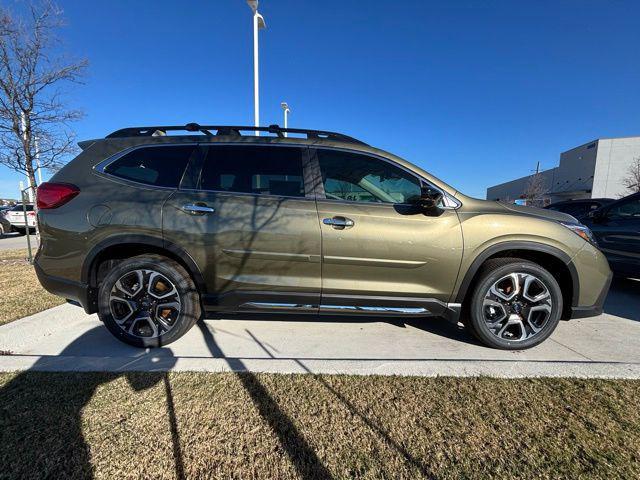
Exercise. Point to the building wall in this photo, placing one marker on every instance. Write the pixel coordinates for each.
(593, 170)
(574, 178)
(615, 155)
(515, 188)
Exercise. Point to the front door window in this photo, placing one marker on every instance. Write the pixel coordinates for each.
(361, 178)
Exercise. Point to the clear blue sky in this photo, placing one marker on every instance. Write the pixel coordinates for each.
(476, 92)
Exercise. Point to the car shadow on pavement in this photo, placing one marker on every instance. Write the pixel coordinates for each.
(624, 299)
(41, 415)
(435, 325)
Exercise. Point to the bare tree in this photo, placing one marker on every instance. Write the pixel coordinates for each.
(535, 189)
(632, 181)
(34, 116)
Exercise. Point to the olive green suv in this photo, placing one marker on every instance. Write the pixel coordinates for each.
(153, 230)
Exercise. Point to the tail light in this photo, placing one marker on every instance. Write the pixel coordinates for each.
(53, 195)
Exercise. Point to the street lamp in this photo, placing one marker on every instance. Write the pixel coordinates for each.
(287, 110)
(258, 23)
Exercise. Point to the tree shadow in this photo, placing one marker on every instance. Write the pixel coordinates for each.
(305, 460)
(41, 417)
(377, 429)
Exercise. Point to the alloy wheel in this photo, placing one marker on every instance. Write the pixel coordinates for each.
(517, 306)
(145, 303)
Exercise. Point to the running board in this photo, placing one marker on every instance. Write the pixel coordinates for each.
(340, 309)
(349, 309)
(296, 302)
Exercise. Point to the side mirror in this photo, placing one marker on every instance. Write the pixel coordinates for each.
(429, 200)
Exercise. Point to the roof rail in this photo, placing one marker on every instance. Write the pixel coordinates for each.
(229, 130)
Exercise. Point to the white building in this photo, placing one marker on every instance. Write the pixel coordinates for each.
(593, 170)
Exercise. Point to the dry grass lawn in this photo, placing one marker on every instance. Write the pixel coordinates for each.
(196, 425)
(20, 291)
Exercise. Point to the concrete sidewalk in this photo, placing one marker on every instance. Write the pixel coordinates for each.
(65, 338)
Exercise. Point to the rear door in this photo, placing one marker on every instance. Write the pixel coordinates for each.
(250, 223)
(378, 251)
(618, 235)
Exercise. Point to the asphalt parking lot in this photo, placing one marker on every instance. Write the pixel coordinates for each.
(65, 338)
(10, 241)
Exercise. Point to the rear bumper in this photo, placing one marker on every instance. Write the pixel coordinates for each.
(19, 222)
(21, 225)
(596, 308)
(75, 292)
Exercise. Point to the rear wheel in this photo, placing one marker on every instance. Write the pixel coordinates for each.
(148, 301)
(516, 304)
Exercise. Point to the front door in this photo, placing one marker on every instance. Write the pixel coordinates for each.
(251, 227)
(378, 252)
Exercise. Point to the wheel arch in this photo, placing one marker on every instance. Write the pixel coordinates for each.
(557, 262)
(126, 246)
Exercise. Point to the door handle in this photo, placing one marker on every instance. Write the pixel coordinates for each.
(339, 222)
(197, 209)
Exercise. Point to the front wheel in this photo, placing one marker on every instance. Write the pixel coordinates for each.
(516, 304)
(148, 301)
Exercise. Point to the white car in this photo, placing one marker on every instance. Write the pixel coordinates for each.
(15, 216)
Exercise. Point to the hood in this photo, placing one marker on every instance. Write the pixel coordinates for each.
(540, 212)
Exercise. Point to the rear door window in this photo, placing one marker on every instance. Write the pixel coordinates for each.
(256, 170)
(161, 166)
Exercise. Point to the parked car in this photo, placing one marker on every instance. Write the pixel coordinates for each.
(616, 227)
(150, 230)
(580, 209)
(15, 216)
(5, 226)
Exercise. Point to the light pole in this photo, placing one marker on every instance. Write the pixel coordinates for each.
(258, 24)
(287, 111)
(38, 168)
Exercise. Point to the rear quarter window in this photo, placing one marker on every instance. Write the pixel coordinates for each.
(158, 166)
(19, 208)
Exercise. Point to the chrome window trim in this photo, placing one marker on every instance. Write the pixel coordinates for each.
(245, 194)
(455, 206)
(100, 167)
(456, 203)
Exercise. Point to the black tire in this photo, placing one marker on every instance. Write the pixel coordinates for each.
(187, 294)
(492, 272)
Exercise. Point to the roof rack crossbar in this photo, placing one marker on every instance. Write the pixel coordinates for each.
(228, 130)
